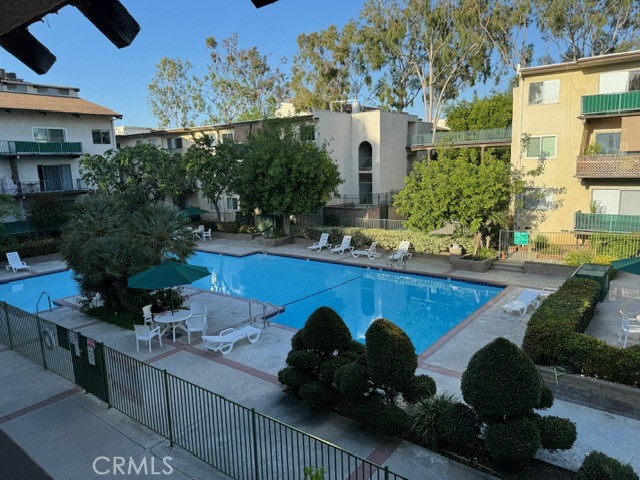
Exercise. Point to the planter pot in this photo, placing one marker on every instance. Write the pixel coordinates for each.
(466, 263)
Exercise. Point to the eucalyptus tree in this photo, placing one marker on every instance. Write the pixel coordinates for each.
(175, 95)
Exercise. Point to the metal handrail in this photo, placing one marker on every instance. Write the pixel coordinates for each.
(40, 298)
(265, 321)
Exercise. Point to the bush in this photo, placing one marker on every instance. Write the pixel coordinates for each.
(615, 244)
(419, 387)
(578, 258)
(557, 433)
(546, 397)
(328, 369)
(314, 394)
(228, 227)
(356, 347)
(32, 248)
(325, 331)
(352, 381)
(297, 343)
(393, 420)
(458, 425)
(426, 414)
(598, 466)
(293, 378)
(513, 443)
(501, 380)
(368, 409)
(305, 360)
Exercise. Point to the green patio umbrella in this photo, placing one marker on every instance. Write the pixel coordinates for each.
(630, 265)
(193, 211)
(166, 275)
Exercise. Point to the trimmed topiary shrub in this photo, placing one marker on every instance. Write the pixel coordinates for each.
(557, 433)
(458, 425)
(393, 420)
(419, 387)
(304, 359)
(328, 369)
(598, 466)
(326, 332)
(356, 347)
(501, 380)
(546, 397)
(314, 394)
(293, 378)
(352, 381)
(513, 443)
(426, 414)
(297, 343)
(368, 410)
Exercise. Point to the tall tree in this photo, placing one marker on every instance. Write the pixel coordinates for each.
(240, 83)
(175, 96)
(140, 174)
(283, 173)
(214, 166)
(329, 66)
(493, 111)
(584, 28)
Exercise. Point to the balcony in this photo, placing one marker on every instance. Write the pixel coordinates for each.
(604, 222)
(608, 166)
(611, 103)
(51, 186)
(17, 147)
(497, 136)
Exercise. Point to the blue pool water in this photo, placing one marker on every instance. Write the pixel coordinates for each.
(424, 307)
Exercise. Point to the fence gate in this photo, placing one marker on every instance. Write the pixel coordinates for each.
(89, 367)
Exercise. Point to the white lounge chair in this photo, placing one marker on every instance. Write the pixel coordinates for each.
(14, 263)
(521, 303)
(630, 324)
(320, 244)
(224, 342)
(369, 252)
(344, 246)
(146, 334)
(401, 255)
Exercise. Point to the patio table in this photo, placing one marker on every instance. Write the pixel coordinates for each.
(172, 321)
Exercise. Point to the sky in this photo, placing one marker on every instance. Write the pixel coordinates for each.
(118, 78)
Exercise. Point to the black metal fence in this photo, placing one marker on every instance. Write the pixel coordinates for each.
(236, 440)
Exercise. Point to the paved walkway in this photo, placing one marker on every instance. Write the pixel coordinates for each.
(248, 374)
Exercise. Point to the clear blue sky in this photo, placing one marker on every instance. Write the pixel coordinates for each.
(118, 79)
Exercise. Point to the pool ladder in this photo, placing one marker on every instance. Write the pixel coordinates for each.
(43, 294)
(265, 321)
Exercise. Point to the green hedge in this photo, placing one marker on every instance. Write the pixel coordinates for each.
(32, 248)
(555, 334)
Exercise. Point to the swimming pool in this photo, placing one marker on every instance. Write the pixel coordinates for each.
(424, 307)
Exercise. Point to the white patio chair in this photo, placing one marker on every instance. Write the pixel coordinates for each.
(401, 255)
(198, 309)
(206, 234)
(320, 244)
(198, 232)
(630, 324)
(14, 263)
(195, 325)
(522, 302)
(344, 246)
(369, 252)
(148, 316)
(224, 341)
(144, 333)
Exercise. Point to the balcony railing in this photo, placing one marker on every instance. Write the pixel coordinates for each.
(611, 103)
(604, 222)
(608, 166)
(18, 147)
(462, 137)
(51, 186)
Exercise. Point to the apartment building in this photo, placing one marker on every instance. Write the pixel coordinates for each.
(44, 129)
(582, 119)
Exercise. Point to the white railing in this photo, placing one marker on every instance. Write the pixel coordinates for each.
(382, 223)
(266, 321)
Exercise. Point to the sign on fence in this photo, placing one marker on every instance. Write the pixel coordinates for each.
(520, 238)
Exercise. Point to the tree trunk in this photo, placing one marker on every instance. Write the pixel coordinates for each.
(477, 243)
(217, 207)
(286, 224)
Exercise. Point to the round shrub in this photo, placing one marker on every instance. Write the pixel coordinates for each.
(314, 394)
(458, 425)
(293, 378)
(557, 433)
(304, 359)
(297, 343)
(352, 381)
(355, 346)
(393, 420)
(513, 443)
(598, 466)
(391, 357)
(328, 369)
(425, 415)
(325, 331)
(501, 380)
(349, 355)
(368, 410)
(419, 387)
(546, 397)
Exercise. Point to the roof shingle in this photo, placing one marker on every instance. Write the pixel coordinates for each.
(50, 103)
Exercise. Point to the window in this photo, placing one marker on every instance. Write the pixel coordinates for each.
(610, 142)
(227, 136)
(154, 141)
(13, 87)
(101, 137)
(542, 147)
(617, 202)
(43, 134)
(232, 203)
(174, 143)
(307, 133)
(55, 178)
(541, 93)
(538, 199)
(619, 82)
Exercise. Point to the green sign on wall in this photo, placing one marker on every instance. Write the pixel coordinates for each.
(521, 238)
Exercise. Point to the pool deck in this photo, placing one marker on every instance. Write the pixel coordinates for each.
(248, 374)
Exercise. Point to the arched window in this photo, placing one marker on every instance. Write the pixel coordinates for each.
(365, 177)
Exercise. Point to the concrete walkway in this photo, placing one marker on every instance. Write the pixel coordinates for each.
(248, 374)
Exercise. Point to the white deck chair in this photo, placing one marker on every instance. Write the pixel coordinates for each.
(224, 342)
(522, 302)
(146, 334)
(198, 311)
(630, 324)
(198, 232)
(195, 325)
(320, 244)
(369, 252)
(206, 234)
(401, 255)
(148, 316)
(344, 246)
(14, 263)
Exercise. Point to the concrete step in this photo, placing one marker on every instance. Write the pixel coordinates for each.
(508, 266)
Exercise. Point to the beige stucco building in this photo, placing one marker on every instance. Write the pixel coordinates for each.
(583, 123)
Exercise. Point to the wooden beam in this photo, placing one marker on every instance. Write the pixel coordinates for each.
(26, 48)
(111, 18)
